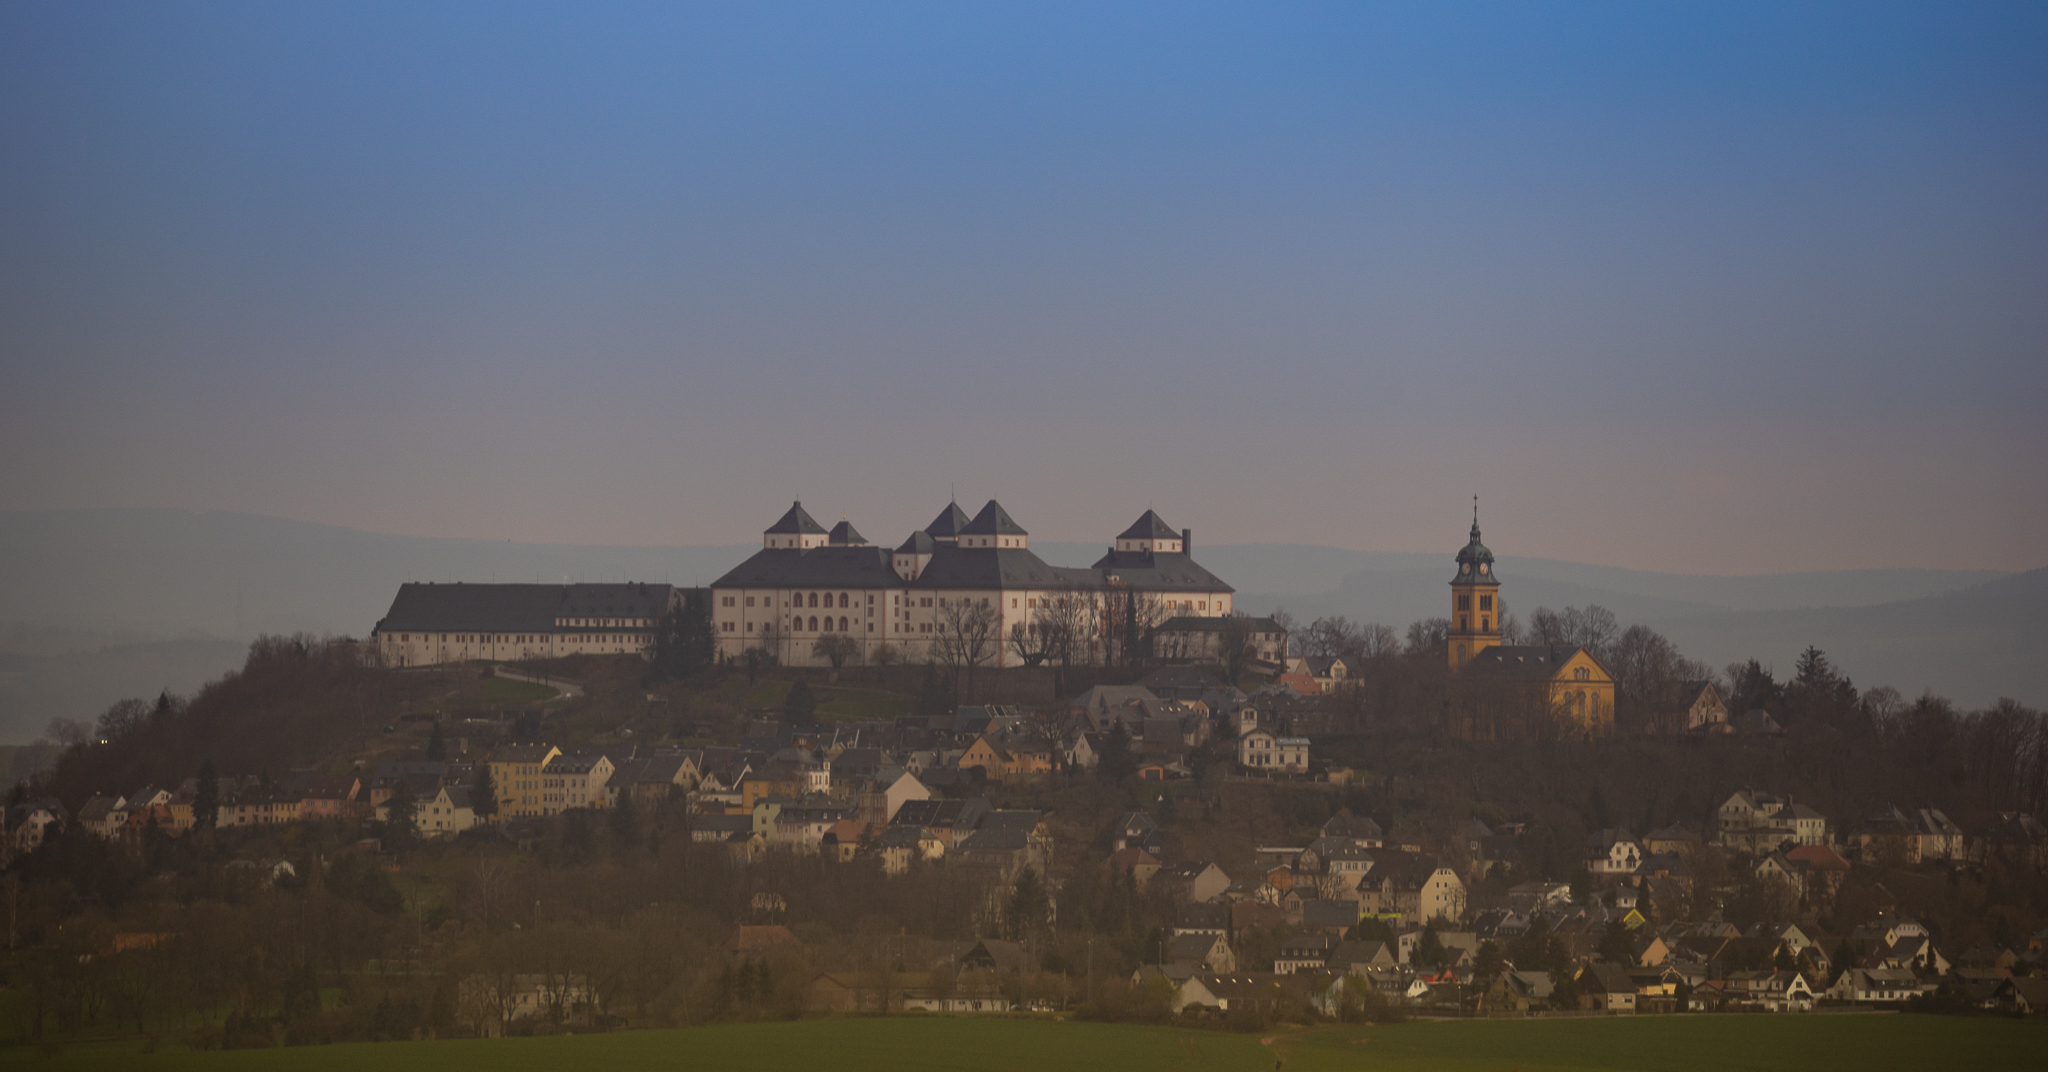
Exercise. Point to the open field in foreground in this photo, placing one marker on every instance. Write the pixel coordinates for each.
(941, 1044)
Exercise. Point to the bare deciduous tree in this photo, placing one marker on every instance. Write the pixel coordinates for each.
(968, 636)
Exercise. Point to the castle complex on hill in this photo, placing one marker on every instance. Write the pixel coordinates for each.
(807, 583)
(811, 594)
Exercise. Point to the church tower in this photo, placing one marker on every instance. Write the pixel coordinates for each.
(1475, 599)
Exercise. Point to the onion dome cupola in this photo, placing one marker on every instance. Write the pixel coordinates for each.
(796, 530)
(1475, 562)
(1475, 600)
(993, 528)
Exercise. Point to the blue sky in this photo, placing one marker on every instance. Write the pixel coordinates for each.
(1712, 288)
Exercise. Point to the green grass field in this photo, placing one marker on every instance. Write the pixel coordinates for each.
(946, 1044)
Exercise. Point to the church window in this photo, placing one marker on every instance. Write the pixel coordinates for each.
(1463, 623)
(1485, 602)
(1464, 602)
(1485, 624)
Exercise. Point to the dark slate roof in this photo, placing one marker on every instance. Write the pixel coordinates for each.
(513, 608)
(948, 524)
(844, 535)
(796, 521)
(1529, 661)
(918, 543)
(993, 521)
(819, 567)
(1472, 555)
(1149, 526)
(996, 567)
(1159, 570)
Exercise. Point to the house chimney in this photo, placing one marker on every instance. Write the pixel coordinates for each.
(1187, 541)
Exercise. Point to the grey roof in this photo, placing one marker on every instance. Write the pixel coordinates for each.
(516, 608)
(917, 543)
(1528, 661)
(1323, 913)
(844, 534)
(1472, 555)
(1149, 526)
(796, 521)
(993, 521)
(1159, 570)
(948, 524)
(819, 567)
(996, 567)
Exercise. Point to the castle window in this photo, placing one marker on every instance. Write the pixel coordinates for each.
(814, 599)
(842, 624)
(828, 623)
(842, 599)
(750, 627)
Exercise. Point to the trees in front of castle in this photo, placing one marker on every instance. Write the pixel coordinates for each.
(683, 641)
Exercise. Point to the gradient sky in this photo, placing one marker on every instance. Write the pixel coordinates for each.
(1725, 288)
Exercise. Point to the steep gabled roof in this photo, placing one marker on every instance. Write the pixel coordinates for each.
(1149, 526)
(797, 521)
(993, 521)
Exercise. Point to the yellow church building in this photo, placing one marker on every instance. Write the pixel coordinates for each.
(1502, 687)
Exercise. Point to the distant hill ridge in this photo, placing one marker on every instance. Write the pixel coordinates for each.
(118, 597)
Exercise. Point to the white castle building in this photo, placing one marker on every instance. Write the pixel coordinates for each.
(807, 583)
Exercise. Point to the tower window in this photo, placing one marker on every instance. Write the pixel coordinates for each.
(1485, 602)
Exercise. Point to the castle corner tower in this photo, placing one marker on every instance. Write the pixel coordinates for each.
(1475, 600)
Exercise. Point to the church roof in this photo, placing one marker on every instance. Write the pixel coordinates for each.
(1149, 526)
(844, 534)
(797, 521)
(1471, 558)
(1528, 662)
(948, 524)
(993, 521)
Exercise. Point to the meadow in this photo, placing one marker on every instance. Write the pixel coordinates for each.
(1868, 1043)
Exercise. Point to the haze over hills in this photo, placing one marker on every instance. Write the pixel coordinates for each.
(97, 605)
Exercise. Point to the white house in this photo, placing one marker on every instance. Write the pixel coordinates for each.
(1262, 751)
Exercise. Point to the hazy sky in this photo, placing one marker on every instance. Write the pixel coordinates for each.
(1721, 289)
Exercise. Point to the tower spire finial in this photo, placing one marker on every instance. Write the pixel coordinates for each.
(1475, 517)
